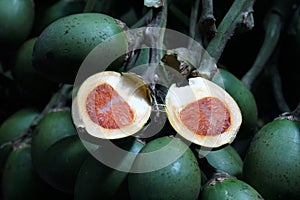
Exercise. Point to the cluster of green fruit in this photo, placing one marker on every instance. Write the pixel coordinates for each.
(57, 165)
(42, 155)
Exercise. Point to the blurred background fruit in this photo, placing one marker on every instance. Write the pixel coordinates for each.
(21, 181)
(30, 84)
(107, 183)
(12, 128)
(16, 21)
(57, 151)
(55, 11)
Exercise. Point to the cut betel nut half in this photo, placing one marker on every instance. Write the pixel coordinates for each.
(203, 113)
(112, 105)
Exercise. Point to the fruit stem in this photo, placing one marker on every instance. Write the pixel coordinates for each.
(293, 24)
(89, 6)
(294, 115)
(235, 15)
(21, 144)
(142, 21)
(193, 18)
(58, 100)
(273, 74)
(207, 20)
(272, 33)
(154, 33)
(219, 177)
(179, 14)
(273, 24)
(296, 112)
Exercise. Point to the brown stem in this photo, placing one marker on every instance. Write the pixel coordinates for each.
(207, 20)
(227, 27)
(154, 33)
(57, 101)
(225, 31)
(246, 22)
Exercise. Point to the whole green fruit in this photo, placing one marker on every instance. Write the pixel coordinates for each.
(96, 180)
(18, 122)
(26, 76)
(21, 181)
(13, 127)
(243, 97)
(16, 20)
(272, 161)
(53, 127)
(181, 179)
(62, 47)
(247, 104)
(57, 151)
(228, 188)
(225, 159)
(62, 162)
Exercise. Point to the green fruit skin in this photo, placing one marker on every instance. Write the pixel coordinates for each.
(20, 180)
(243, 97)
(26, 76)
(16, 20)
(226, 159)
(179, 180)
(52, 129)
(99, 181)
(272, 161)
(62, 162)
(63, 45)
(18, 122)
(229, 189)
(13, 127)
